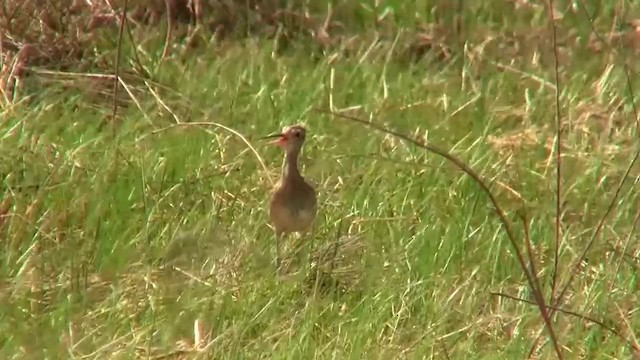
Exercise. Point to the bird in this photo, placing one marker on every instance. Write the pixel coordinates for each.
(293, 203)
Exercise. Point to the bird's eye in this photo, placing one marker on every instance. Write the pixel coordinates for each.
(296, 134)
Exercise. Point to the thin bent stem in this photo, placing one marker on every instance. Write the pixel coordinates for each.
(499, 211)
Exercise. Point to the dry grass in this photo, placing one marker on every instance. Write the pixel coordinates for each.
(67, 41)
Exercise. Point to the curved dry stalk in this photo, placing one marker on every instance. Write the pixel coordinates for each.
(217, 125)
(167, 38)
(499, 211)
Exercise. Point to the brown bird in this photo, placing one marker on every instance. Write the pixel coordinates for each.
(293, 201)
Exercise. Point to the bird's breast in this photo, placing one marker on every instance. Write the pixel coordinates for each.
(292, 213)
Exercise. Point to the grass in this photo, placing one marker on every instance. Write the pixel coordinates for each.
(118, 238)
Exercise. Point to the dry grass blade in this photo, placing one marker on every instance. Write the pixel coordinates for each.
(167, 39)
(200, 336)
(97, 88)
(333, 265)
(631, 337)
(217, 125)
(499, 211)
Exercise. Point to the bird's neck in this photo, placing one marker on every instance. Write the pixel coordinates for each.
(290, 165)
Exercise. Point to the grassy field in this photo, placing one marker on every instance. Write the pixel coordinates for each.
(118, 236)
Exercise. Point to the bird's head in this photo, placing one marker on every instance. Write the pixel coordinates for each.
(290, 139)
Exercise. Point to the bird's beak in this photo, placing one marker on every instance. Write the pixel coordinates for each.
(280, 141)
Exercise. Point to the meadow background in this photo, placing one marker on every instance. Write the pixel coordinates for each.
(133, 208)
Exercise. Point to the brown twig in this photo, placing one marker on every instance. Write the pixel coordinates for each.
(558, 233)
(136, 57)
(614, 200)
(575, 268)
(524, 217)
(116, 80)
(530, 252)
(623, 251)
(568, 312)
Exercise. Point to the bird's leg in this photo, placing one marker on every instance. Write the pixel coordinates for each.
(279, 235)
(300, 247)
(314, 256)
(311, 247)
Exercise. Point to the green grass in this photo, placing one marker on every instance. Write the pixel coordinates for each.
(116, 242)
